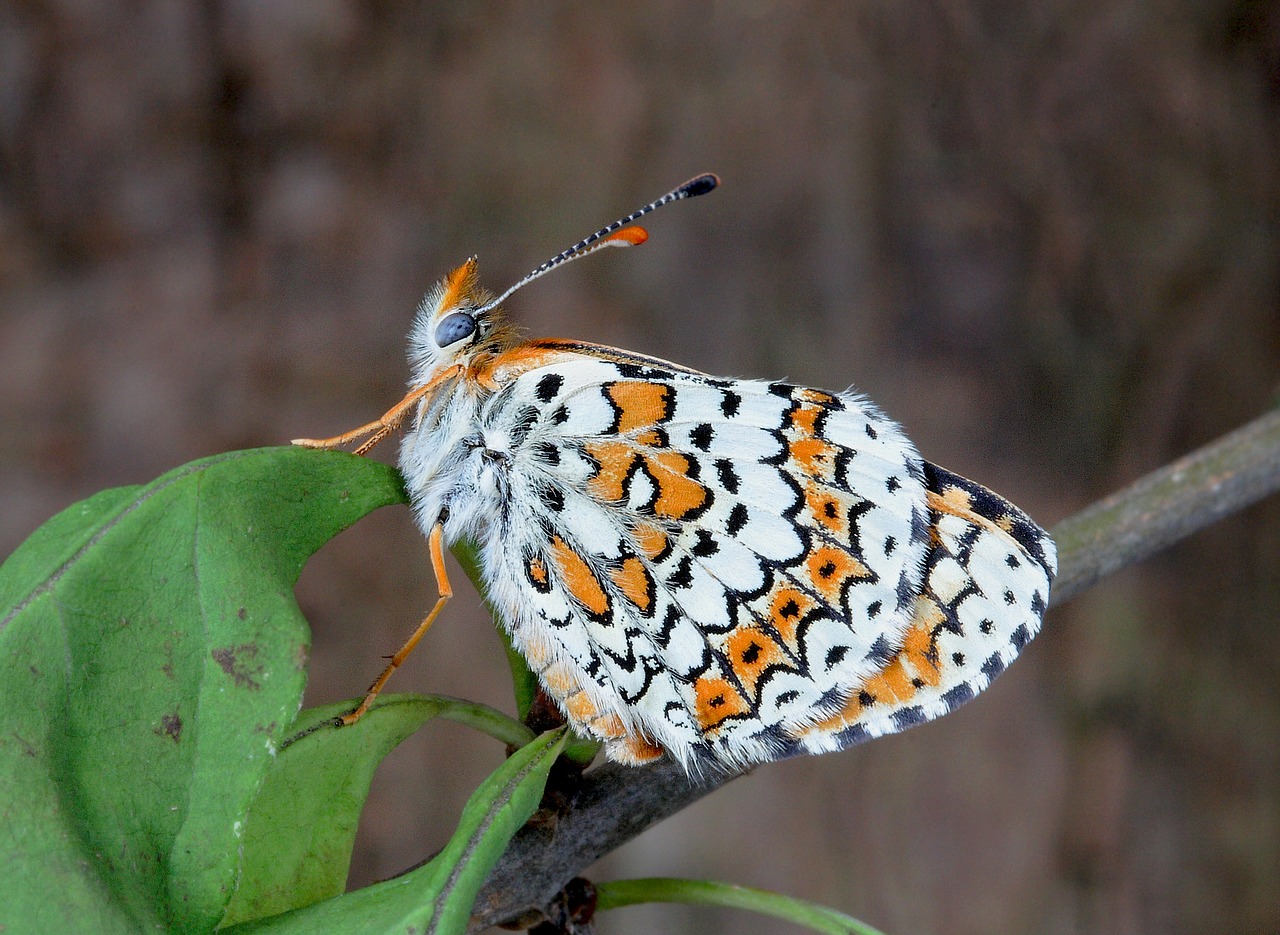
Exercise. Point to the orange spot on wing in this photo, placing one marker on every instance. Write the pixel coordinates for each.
(678, 494)
(892, 685)
(896, 684)
(751, 651)
(828, 510)
(640, 404)
(848, 713)
(717, 699)
(616, 460)
(497, 370)
(829, 568)
(955, 501)
(608, 727)
(805, 418)
(918, 648)
(821, 397)
(650, 540)
(816, 457)
(559, 681)
(537, 652)
(787, 607)
(633, 580)
(578, 577)
(537, 571)
(634, 750)
(580, 708)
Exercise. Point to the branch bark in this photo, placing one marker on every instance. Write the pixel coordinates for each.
(616, 803)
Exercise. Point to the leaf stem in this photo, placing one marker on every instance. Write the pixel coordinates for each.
(618, 893)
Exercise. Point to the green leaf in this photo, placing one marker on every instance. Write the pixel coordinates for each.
(298, 839)
(300, 832)
(151, 658)
(618, 893)
(437, 897)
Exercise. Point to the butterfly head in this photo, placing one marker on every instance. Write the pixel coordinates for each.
(455, 322)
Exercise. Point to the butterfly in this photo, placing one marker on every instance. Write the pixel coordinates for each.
(723, 571)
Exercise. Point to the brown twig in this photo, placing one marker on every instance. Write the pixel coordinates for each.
(617, 803)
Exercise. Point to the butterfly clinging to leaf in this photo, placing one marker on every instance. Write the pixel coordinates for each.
(726, 571)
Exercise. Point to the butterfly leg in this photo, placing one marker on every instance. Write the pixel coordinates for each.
(382, 427)
(445, 591)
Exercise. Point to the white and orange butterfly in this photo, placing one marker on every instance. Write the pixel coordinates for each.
(726, 571)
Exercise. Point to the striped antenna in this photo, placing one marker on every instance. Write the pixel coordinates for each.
(617, 234)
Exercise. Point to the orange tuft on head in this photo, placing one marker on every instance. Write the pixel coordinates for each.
(459, 285)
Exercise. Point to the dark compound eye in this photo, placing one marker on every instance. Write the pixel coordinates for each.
(453, 328)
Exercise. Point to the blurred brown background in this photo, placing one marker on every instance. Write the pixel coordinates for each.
(1043, 235)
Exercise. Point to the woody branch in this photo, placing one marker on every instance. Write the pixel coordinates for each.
(616, 803)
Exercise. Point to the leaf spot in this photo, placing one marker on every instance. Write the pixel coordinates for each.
(171, 727)
(232, 660)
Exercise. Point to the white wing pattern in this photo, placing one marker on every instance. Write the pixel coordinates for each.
(736, 571)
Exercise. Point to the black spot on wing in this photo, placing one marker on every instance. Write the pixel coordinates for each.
(908, 717)
(548, 387)
(958, 696)
(552, 497)
(728, 476)
(853, 735)
(881, 652)
(547, 453)
(682, 576)
(706, 544)
(641, 371)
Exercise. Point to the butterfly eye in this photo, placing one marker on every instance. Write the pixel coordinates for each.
(454, 328)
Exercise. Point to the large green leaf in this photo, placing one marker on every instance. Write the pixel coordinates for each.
(152, 657)
(437, 897)
(298, 840)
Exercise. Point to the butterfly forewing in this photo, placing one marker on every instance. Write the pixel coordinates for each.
(698, 556)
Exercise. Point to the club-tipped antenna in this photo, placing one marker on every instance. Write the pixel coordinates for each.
(617, 234)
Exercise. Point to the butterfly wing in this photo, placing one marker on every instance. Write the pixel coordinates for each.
(986, 588)
(710, 567)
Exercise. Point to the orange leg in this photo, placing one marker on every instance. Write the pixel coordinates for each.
(384, 426)
(445, 591)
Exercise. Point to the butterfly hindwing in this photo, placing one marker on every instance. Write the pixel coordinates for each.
(985, 592)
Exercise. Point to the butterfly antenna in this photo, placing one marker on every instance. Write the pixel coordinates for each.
(617, 234)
